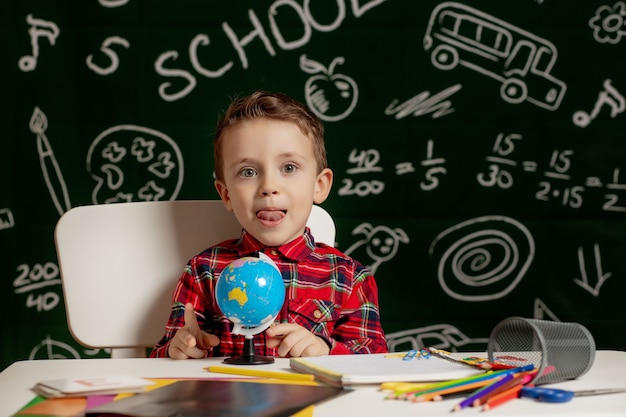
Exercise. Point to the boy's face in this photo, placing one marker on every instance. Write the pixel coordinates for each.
(270, 178)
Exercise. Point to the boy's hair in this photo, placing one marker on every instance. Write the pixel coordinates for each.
(277, 106)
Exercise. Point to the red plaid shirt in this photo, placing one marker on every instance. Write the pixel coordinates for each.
(327, 292)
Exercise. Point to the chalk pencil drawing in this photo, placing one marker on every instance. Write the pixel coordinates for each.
(39, 28)
(522, 62)
(49, 166)
(483, 258)
(134, 163)
(332, 96)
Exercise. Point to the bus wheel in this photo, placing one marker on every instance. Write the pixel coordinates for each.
(445, 57)
(514, 91)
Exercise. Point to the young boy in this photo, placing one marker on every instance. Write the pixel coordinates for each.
(270, 168)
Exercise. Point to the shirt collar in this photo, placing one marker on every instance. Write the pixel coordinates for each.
(296, 250)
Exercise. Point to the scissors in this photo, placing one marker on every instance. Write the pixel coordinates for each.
(553, 395)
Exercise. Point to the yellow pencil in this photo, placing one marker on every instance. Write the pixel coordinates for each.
(402, 386)
(260, 373)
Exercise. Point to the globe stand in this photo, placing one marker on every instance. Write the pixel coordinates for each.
(249, 357)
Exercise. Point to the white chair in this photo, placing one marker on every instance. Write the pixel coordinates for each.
(119, 264)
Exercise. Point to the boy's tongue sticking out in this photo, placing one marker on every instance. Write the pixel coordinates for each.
(270, 215)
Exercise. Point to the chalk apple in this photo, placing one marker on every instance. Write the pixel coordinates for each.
(330, 96)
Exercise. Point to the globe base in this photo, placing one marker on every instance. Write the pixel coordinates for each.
(248, 356)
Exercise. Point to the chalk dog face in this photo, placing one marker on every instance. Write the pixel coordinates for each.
(380, 242)
(383, 243)
(134, 163)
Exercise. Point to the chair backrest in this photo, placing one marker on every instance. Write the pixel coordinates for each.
(119, 264)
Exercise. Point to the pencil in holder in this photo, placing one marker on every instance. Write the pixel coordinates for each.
(559, 351)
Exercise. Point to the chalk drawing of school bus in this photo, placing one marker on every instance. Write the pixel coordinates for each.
(459, 34)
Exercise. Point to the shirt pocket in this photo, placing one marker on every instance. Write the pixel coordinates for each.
(316, 315)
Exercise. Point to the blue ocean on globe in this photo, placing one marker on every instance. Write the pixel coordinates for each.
(250, 291)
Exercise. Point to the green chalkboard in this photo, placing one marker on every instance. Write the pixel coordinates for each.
(478, 146)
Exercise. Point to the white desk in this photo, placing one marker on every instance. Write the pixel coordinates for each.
(608, 371)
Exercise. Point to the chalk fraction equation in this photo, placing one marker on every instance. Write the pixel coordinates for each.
(498, 169)
(555, 183)
(37, 283)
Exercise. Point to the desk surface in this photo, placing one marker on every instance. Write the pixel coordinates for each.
(608, 371)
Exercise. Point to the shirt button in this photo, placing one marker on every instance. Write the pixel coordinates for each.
(274, 252)
(317, 314)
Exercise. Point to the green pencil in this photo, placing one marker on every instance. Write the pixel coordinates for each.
(462, 381)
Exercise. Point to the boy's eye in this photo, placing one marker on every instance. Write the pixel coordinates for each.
(289, 168)
(247, 172)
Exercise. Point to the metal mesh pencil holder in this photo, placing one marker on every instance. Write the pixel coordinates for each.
(559, 351)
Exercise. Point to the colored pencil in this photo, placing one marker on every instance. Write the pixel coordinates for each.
(453, 395)
(402, 386)
(466, 388)
(484, 391)
(260, 373)
(462, 381)
(503, 397)
(519, 379)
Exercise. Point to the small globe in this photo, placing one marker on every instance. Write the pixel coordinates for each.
(250, 292)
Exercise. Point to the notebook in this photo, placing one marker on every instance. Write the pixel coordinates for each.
(345, 370)
(98, 385)
(198, 398)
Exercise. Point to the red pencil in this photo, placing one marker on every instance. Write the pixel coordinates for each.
(502, 397)
(522, 379)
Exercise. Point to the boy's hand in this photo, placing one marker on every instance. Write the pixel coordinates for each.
(190, 341)
(295, 341)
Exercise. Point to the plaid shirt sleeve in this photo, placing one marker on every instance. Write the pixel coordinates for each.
(340, 306)
(359, 329)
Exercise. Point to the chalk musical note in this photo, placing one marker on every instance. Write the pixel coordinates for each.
(610, 96)
(49, 165)
(39, 28)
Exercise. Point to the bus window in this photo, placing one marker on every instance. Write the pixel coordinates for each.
(468, 29)
(520, 59)
(447, 20)
(494, 39)
(544, 61)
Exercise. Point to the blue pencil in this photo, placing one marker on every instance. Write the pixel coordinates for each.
(479, 395)
(432, 388)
